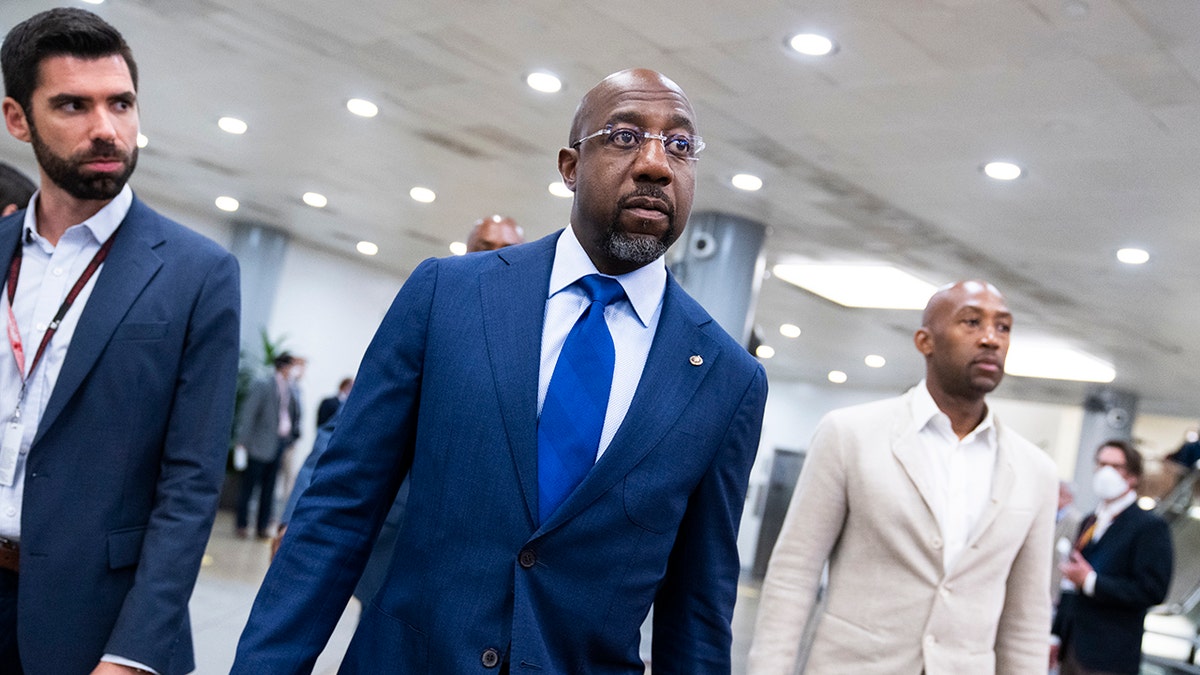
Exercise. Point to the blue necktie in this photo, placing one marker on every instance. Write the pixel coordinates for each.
(573, 412)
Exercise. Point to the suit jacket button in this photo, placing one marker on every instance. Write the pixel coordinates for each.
(527, 558)
(490, 658)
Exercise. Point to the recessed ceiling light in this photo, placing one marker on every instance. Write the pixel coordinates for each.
(94, 2)
(875, 361)
(764, 351)
(315, 200)
(560, 189)
(812, 44)
(747, 182)
(227, 204)
(543, 82)
(874, 286)
(1147, 503)
(367, 247)
(1133, 256)
(422, 194)
(362, 107)
(1044, 358)
(1002, 170)
(837, 377)
(232, 125)
(789, 330)
(142, 140)
(458, 248)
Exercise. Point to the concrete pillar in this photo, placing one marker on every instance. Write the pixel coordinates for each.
(1107, 415)
(719, 262)
(259, 249)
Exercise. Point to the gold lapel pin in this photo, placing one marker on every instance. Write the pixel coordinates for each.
(696, 360)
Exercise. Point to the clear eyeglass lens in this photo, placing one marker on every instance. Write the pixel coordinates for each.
(678, 145)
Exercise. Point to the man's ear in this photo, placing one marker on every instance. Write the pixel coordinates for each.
(923, 339)
(14, 119)
(568, 160)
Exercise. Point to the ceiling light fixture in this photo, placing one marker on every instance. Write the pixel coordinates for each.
(1051, 360)
(227, 204)
(142, 140)
(560, 189)
(543, 82)
(315, 200)
(812, 44)
(362, 107)
(94, 2)
(458, 248)
(232, 125)
(1133, 256)
(747, 182)
(764, 351)
(366, 247)
(422, 194)
(875, 361)
(837, 377)
(1002, 170)
(789, 330)
(870, 286)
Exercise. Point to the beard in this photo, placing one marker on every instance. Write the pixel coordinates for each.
(639, 250)
(67, 172)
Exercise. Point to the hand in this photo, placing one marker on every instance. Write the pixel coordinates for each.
(106, 668)
(1053, 656)
(1076, 569)
(278, 539)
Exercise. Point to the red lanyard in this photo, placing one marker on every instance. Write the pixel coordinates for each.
(14, 335)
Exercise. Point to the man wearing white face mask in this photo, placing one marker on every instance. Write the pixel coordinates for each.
(1121, 566)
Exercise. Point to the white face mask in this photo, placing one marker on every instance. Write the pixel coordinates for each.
(1108, 483)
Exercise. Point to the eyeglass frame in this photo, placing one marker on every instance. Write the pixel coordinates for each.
(644, 135)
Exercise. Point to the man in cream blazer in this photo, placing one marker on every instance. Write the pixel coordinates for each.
(936, 521)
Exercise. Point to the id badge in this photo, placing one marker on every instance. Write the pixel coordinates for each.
(10, 450)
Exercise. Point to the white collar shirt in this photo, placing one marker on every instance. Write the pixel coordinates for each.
(48, 271)
(1107, 511)
(632, 322)
(960, 471)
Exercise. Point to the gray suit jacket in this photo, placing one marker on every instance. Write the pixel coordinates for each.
(258, 425)
(862, 504)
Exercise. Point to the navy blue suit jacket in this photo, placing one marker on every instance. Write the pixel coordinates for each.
(447, 395)
(122, 479)
(1133, 563)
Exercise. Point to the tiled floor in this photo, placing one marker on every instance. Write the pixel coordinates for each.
(234, 568)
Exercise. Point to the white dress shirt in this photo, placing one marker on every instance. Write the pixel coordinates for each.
(632, 323)
(961, 471)
(47, 274)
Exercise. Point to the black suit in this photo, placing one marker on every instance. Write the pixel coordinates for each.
(327, 410)
(1133, 562)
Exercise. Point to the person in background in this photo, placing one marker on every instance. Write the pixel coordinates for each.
(269, 425)
(1120, 566)
(118, 377)
(494, 233)
(559, 486)
(934, 517)
(15, 190)
(329, 406)
(1066, 527)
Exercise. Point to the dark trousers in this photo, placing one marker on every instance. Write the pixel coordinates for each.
(261, 475)
(1071, 666)
(10, 659)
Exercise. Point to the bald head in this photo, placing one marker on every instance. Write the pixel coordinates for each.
(494, 232)
(626, 82)
(964, 336)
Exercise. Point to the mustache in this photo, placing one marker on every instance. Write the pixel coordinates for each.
(651, 192)
(103, 149)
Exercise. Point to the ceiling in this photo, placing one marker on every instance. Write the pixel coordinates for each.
(871, 154)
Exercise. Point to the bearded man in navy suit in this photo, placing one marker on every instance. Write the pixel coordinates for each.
(489, 573)
(116, 379)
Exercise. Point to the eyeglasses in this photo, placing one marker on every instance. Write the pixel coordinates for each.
(678, 146)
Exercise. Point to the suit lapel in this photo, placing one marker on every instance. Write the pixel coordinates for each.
(131, 264)
(513, 299)
(1002, 485)
(911, 455)
(658, 401)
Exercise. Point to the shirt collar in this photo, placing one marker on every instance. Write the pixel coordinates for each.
(925, 411)
(102, 224)
(644, 286)
(1110, 510)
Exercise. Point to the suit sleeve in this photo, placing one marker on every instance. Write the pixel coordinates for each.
(694, 605)
(1150, 576)
(1022, 636)
(814, 521)
(256, 398)
(354, 485)
(192, 469)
